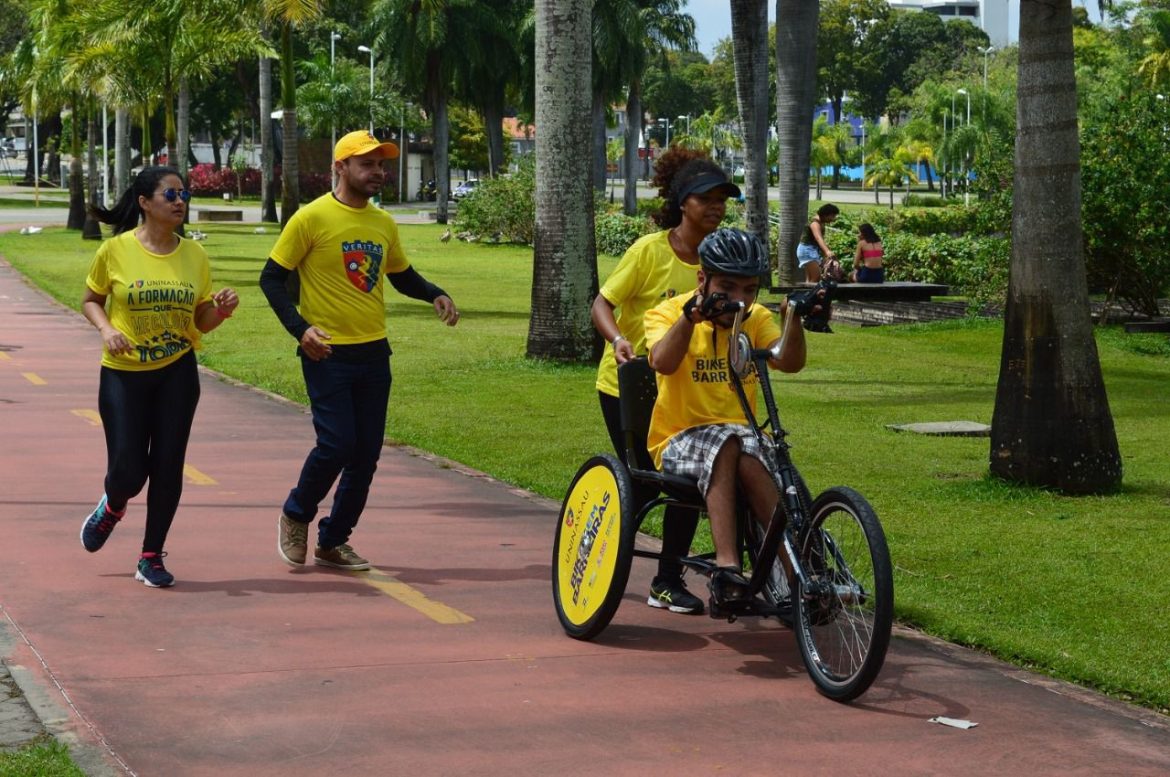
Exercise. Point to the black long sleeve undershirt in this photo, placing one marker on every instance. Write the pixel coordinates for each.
(274, 278)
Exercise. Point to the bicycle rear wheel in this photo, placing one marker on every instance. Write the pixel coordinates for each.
(845, 614)
(593, 547)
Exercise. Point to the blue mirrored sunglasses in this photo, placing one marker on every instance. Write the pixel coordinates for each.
(170, 195)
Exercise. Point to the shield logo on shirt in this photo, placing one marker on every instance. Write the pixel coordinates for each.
(362, 264)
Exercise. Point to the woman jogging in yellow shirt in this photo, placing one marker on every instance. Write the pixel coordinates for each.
(149, 295)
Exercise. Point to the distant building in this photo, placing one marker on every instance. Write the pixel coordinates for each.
(991, 16)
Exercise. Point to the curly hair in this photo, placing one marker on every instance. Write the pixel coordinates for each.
(689, 166)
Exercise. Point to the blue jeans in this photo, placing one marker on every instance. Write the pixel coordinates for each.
(348, 402)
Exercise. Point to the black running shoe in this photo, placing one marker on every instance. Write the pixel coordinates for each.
(152, 572)
(673, 595)
(98, 526)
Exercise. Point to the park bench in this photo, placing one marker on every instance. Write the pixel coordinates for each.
(219, 214)
(891, 291)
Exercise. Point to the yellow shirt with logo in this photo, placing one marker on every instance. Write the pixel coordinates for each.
(649, 272)
(151, 299)
(700, 391)
(342, 255)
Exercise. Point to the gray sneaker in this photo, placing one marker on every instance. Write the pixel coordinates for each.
(341, 557)
(292, 540)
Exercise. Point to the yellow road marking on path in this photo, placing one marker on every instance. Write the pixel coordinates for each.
(198, 478)
(89, 415)
(34, 379)
(4, 357)
(412, 597)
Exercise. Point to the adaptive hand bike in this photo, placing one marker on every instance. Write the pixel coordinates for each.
(839, 599)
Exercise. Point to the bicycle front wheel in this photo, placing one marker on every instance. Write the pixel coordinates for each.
(846, 612)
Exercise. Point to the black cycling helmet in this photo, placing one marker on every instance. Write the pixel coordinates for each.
(733, 252)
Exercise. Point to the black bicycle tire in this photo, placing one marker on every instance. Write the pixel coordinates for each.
(844, 687)
(597, 622)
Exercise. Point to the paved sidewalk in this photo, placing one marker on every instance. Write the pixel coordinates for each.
(447, 658)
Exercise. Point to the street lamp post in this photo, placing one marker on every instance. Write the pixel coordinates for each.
(688, 118)
(985, 52)
(370, 51)
(863, 153)
(666, 123)
(944, 174)
(333, 38)
(966, 182)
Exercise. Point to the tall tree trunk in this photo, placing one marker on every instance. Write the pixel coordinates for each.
(796, 77)
(183, 129)
(290, 172)
(267, 153)
(1052, 426)
(91, 229)
(633, 132)
(564, 273)
(76, 218)
(749, 31)
(121, 153)
(493, 122)
(441, 129)
(598, 142)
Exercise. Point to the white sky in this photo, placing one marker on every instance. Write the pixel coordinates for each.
(713, 19)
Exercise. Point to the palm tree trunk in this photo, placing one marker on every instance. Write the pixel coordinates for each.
(91, 229)
(182, 148)
(441, 130)
(564, 276)
(598, 135)
(493, 121)
(1052, 426)
(76, 218)
(633, 132)
(290, 171)
(267, 153)
(749, 31)
(121, 152)
(796, 71)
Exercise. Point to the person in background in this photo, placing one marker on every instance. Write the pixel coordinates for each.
(656, 267)
(149, 295)
(813, 249)
(867, 261)
(343, 247)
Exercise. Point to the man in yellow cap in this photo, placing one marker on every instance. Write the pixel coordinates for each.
(343, 247)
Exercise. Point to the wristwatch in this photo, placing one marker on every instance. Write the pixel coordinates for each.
(614, 341)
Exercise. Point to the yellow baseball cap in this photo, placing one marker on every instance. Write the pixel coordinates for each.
(362, 142)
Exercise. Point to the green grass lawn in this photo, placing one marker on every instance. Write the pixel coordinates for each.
(47, 758)
(1075, 587)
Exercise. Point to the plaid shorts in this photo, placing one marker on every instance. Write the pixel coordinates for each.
(691, 453)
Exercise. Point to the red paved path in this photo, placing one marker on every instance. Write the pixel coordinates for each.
(247, 667)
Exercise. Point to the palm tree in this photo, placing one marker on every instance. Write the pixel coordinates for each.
(267, 157)
(657, 26)
(1051, 426)
(288, 15)
(1155, 66)
(796, 76)
(612, 63)
(430, 41)
(749, 30)
(564, 276)
(823, 152)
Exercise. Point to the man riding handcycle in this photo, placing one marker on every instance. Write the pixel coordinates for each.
(709, 351)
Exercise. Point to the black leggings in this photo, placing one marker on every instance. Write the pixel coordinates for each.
(678, 523)
(147, 419)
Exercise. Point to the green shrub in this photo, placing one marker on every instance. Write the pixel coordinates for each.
(503, 208)
(925, 201)
(617, 231)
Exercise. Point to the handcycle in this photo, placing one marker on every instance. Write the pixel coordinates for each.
(839, 599)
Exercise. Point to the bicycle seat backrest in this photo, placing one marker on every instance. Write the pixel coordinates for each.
(637, 390)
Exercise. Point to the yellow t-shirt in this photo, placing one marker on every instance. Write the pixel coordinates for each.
(342, 255)
(150, 298)
(649, 272)
(700, 391)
